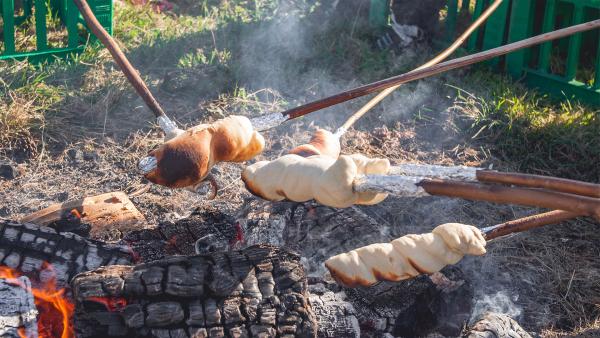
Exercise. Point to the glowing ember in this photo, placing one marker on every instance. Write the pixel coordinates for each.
(55, 310)
(112, 304)
(239, 235)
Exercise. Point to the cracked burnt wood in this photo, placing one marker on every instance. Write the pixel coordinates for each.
(260, 291)
(17, 308)
(25, 247)
(496, 325)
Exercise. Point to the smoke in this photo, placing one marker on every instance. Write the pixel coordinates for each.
(500, 302)
(306, 53)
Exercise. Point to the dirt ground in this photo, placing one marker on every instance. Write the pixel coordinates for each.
(548, 279)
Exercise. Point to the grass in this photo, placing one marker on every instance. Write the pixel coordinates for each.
(528, 129)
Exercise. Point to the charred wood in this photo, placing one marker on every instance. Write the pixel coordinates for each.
(218, 231)
(25, 247)
(17, 308)
(260, 291)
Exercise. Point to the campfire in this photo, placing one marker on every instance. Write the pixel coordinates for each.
(294, 261)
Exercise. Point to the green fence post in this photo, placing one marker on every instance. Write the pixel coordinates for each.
(472, 45)
(597, 75)
(8, 16)
(465, 5)
(574, 44)
(41, 39)
(451, 19)
(547, 26)
(494, 36)
(519, 29)
(72, 15)
(378, 13)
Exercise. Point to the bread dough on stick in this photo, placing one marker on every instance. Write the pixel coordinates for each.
(186, 159)
(408, 256)
(323, 142)
(327, 180)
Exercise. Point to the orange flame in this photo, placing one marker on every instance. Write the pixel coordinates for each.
(55, 310)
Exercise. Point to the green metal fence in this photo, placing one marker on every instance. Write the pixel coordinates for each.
(37, 11)
(570, 66)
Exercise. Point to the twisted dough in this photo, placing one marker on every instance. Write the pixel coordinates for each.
(407, 256)
(323, 142)
(327, 180)
(186, 159)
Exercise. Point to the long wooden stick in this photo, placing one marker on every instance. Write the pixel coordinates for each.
(132, 75)
(439, 58)
(580, 205)
(419, 186)
(472, 174)
(527, 223)
(538, 181)
(436, 69)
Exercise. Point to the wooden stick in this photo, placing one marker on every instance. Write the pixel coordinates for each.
(473, 174)
(419, 186)
(132, 75)
(439, 58)
(580, 205)
(436, 69)
(538, 181)
(527, 223)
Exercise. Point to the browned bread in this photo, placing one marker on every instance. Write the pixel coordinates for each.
(185, 160)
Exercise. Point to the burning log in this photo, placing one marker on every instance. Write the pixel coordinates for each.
(104, 213)
(259, 291)
(17, 309)
(495, 325)
(28, 248)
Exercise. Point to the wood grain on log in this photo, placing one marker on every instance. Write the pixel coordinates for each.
(260, 291)
(25, 247)
(105, 213)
